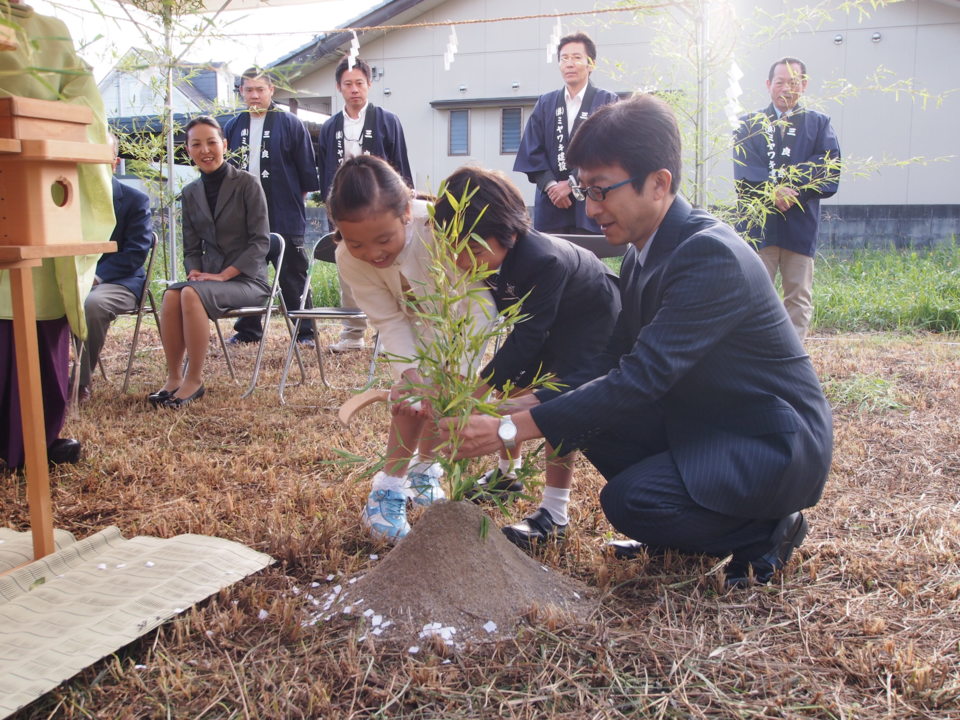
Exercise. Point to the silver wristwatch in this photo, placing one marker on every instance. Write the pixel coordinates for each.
(507, 432)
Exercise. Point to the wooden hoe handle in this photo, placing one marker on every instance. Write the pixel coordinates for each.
(360, 401)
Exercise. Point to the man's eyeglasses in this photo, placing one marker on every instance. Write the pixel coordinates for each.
(595, 192)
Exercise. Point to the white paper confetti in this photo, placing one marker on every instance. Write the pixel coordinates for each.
(490, 626)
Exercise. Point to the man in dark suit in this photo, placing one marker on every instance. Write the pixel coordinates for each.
(703, 413)
(118, 282)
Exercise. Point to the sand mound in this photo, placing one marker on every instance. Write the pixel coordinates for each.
(445, 579)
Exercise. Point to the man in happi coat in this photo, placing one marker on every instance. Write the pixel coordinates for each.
(361, 128)
(555, 119)
(786, 156)
(276, 148)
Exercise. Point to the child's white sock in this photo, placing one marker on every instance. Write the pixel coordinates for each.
(555, 501)
(382, 481)
(425, 467)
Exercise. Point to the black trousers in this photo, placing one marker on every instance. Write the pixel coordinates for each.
(645, 497)
(293, 275)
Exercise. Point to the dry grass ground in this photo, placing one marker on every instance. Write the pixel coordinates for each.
(865, 623)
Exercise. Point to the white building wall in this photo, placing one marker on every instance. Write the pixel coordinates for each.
(918, 41)
(140, 92)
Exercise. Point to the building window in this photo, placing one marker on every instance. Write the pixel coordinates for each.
(511, 126)
(459, 132)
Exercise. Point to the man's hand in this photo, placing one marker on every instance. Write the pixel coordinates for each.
(559, 194)
(478, 436)
(785, 198)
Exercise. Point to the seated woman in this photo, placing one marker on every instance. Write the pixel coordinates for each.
(225, 243)
(384, 255)
(570, 303)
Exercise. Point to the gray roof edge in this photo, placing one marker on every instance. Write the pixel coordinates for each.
(324, 45)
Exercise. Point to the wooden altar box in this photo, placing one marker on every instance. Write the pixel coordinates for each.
(41, 143)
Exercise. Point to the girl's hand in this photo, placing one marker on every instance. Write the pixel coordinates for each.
(193, 275)
(216, 277)
(401, 401)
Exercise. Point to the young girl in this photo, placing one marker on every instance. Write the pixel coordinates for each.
(384, 255)
(570, 303)
(225, 243)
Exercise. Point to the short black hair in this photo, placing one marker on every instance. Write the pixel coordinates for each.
(203, 120)
(252, 73)
(787, 61)
(504, 212)
(640, 135)
(579, 37)
(367, 184)
(358, 64)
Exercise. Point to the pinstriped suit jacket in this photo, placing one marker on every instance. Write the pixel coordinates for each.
(703, 337)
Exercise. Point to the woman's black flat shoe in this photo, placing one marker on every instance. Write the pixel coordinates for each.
(160, 396)
(175, 403)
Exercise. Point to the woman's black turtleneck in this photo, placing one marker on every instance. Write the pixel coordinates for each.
(211, 185)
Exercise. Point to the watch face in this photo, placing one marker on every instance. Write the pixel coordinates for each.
(507, 430)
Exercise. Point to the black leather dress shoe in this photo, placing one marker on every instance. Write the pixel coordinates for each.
(160, 396)
(63, 450)
(785, 538)
(535, 529)
(625, 549)
(494, 485)
(175, 403)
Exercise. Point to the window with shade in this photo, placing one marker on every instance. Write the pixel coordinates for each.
(459, 133)
(511, 126)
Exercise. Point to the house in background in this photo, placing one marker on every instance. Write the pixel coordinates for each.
(134, 92)
(474, 112)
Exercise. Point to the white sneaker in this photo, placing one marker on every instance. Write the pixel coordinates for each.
(424, 488)
(385, 515)
(347, 345)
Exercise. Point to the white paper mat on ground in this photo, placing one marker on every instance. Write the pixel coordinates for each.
(16, 548)
(62, 613)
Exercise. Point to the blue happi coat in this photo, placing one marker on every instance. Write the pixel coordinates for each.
(540, 159)
(760, 154)
(288, 167)
(385, 140)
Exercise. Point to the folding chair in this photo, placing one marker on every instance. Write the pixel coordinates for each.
(148, 304)
(264, 311)
(322, 252)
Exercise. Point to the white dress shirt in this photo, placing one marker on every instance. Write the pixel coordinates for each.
(352, 130)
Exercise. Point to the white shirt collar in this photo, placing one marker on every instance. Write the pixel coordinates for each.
(578, 97)
(360, 116)
(642, 256)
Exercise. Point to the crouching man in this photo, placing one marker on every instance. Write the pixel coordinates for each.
(704, 414)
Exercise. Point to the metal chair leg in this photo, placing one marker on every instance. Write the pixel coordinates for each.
(226, 352)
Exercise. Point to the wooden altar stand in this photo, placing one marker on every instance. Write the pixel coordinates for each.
(41, 143)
